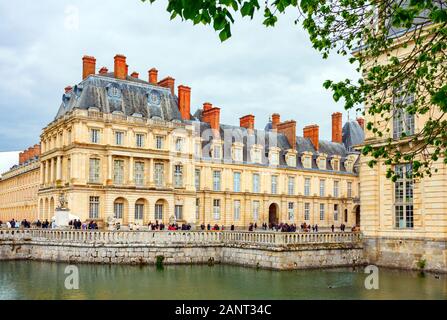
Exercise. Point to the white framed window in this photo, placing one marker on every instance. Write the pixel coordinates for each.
(256, 183)
(119, 138)
(237, 209)
(322, 188)
(159, 142)
(307, 187)
(139, 140)
(336, 189)
(349, 189)
(94, 170)
(307, 162)
(158, 212)
(197, 179)
(255, 210)
(322, 211)
(291, 211)
(291, 160)
(217, 180)
(178, 212)
(403, 121)
(274, 158)
(274, 184)
(216, 209)
(94, 135)
(159, 169)
(139, 210)
(257, 157)
(118, 172)
(237, 156)
(118, 210)
(403, 197)
(94, 208)
(237, 182)
(322, 163)
(307, 211)
(178, 176)
(139, 173)
(336, 165)
(217, 152)
(179, 144)
(291, 186)
(335, 212)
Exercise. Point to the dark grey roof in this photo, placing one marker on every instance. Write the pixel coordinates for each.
(353, 134)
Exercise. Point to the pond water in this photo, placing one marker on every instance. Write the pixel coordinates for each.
(42, 280)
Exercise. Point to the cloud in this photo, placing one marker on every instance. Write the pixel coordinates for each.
(259, 70)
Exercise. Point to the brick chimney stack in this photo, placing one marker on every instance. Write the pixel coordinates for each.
(29, 153)
(103, 70)
(211, 115)
(153, 76)
(248, 122)
(88, 66)
(135, 75)
(337, 127)
(168, 82)
(184, 102)
(276, 119)
(312, 132)
(288, 128)
(361, 122)
(120, 67)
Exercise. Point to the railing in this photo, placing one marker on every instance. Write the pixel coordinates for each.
(266, 239)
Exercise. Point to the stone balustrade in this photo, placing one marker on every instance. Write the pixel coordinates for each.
(267, 239)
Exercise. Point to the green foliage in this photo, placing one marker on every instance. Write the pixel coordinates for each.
(422, 263)
(370, 30)
(159, 261)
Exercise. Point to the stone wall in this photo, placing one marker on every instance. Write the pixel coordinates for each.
(406, 253)
(268, 251)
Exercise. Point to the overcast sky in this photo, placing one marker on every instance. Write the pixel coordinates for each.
(258, 71)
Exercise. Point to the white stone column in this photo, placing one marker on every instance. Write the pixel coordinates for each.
(58, 168)
(42, 173)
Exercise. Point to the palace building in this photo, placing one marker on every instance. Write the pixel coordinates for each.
(125, 149)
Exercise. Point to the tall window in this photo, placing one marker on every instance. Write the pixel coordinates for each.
(291, 186)
(403, 197)
(322, 188)
(274, 184)
(237, 182)
(256, 186)
(349, 189)
(307, 211)
(291, 211)
(336, 165)
(217, 152)
(403, 121)
(118, 210)
(178, 176)
(139, 140)
(307, 187)
(159, 140)
(94, 208)
(179, 144)
(237, 154)
(197, 209)
(274, 158)
(159, 174)
(94, 135)
(216, 180)
(118, 172)
(139, 209)
(321, 211)
(94, 171)
(119, 138)
(322, 163)
(139, 173)
(197, 179)
(216, 209)
(178, 212)
(335, 212)
(237, 209)
(255, 210)
(257, 158)
(158, 212)
(307, 162)
(336, 189)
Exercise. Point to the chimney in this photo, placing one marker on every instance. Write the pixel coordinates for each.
(103, 70)
(312, 132)
(207, 106)
(68, 89)
(337, 122)
(276, 119)
(168, 82)
(184, 102)
(153, 76)
(211, 115)
(88, 66)
(361, 122)
(248, 122)
(135, 75)
(120, 67)
(37, 150)
(288, 128)
(21, 157)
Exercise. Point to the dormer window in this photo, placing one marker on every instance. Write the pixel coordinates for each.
(322, 162)
(114, 92)
(306, 159)
(154, 98)
(237, 152)
(291, 158)
(274, 156)
(335, 163)
(216, 151)
(256, 154)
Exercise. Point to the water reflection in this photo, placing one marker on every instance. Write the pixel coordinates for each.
(40, 280)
